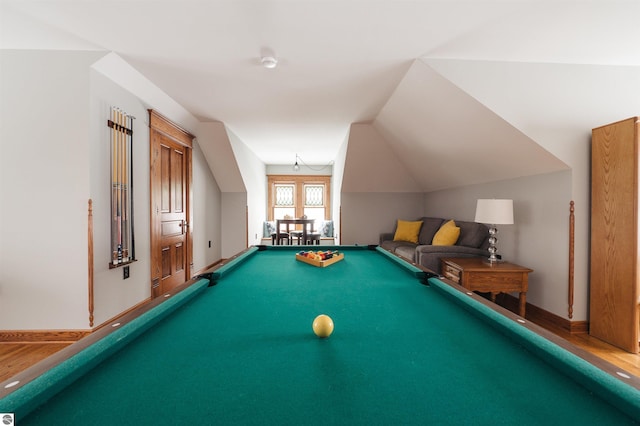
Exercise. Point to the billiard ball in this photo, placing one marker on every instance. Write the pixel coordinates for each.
(323, 326)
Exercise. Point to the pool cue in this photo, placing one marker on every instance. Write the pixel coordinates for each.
(132, 243)
(121, 125)
(114, 195)
(125, 190)
(120, 197)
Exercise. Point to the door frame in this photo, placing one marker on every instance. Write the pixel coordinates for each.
(160, 124)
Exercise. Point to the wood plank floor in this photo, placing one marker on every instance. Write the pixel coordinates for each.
(623, 359)
(15, 357)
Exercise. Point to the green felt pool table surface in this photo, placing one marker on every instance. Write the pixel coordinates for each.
(242, 351)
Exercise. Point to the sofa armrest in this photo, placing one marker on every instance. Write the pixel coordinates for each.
(450, 251)
(429, 256)
(388, 236)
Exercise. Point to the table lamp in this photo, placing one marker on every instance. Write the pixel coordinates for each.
(494, 212)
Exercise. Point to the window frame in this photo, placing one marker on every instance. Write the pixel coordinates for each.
(299, 181)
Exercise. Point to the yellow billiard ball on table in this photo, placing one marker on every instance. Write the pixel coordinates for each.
(323, 326)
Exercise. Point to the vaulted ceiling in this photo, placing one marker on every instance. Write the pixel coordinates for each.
(452, 85)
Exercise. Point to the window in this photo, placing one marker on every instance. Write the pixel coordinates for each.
(297, 196)
(284, 203)
(314, 201)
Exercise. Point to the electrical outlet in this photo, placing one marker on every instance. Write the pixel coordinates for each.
(125, 272)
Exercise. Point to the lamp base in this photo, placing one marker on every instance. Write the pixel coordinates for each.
(493, 240)
(491, 260)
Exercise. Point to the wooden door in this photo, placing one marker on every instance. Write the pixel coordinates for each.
(614, 281)
(170, 206)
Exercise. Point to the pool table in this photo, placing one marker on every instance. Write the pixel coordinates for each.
(236, 347)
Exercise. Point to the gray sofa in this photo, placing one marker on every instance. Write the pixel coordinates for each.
(472, 242)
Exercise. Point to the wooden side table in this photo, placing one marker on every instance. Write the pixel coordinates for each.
(476, 275)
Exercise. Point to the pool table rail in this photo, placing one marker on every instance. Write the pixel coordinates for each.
(618, 384)
(612, 370)
(27, 390)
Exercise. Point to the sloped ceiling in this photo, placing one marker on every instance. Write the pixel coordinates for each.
(454, 140)
(373, 165)
(462, 83)
(538, 97)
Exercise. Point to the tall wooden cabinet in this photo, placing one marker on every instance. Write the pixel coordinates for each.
(614, 282)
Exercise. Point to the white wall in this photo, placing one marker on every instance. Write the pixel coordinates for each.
(216, 147)
(574, 147)
(230, 220)
(556, 105)
(234, 223)
(336, 188)
(44, 188)
(377, 189)
(55, 157)
(539, 238)
(113, 294)
(373, 165)
(367, 214)
(287, 169)
(241, 235)
(130, 79)
(207, 213)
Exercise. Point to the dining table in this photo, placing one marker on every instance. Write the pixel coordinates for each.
(307, 226)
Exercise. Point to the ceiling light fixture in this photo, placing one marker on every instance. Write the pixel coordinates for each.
(269, 62)
(296, 167)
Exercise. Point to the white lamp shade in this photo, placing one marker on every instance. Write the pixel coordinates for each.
(495, 212)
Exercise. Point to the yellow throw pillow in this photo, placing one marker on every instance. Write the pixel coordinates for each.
(447, 235)
(407, 231)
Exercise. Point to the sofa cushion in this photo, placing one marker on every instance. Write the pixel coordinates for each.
(407, 231)
(406, 251)
(430, 226)
(268, 229)
(447, 235)
(429, 256)
(472, 234)
(392, 246)
(326, 228)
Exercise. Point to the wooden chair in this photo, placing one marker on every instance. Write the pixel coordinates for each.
(280, 237)
(313, 238)
(295, 235)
